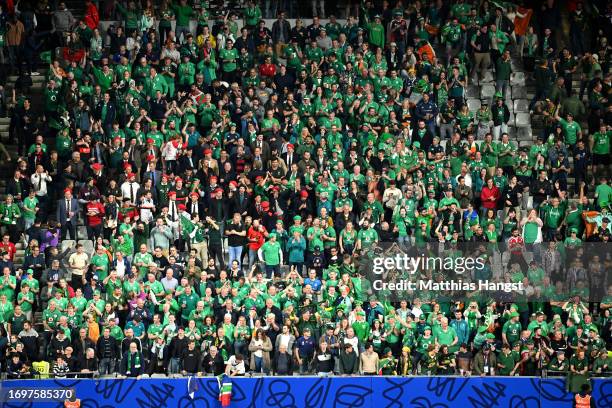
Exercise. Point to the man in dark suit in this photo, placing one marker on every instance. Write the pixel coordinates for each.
(18, 187)
(240, 202)
(187, 161)
(149, 170)
(67, 214)
(195, 206)
(290, 157)
(99, 175)
(264, 148)
(106, 113)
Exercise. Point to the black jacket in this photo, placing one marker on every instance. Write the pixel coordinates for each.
(111, 343)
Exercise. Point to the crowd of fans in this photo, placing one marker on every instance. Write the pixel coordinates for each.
(199, 198)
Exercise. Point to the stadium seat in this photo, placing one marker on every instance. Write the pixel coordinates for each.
(521, 105)
(519, 92)
(487, 92)
(487, 78)
(81, 232)
(517, 78)
(522, 119)
(524, 133)
(472, 91)
(473, 104)
(88, 246)
(67, 243)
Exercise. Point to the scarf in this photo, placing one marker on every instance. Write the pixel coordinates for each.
(134, 361)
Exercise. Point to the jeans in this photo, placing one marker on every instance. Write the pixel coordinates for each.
(252, 258)
(107, 366)
(174, 366)
(258, 364)
(182, 30)
(446, 130)
(499, 130)
(235, 254)
(501, 85)
(272, 271)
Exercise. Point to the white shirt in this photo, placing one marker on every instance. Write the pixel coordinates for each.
(237, 367)
(130, 190)
(39, 182)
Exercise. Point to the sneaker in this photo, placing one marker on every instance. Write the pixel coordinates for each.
(34, 73)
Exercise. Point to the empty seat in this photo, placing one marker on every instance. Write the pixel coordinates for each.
(67, 243)
(519, 92)
(81, 232)
(472, 91)
(473, 104)
(487, 92)
(487, 78)
(521, 105)
(88, 246)
(524, 133)
(517, 78)
(522, 119)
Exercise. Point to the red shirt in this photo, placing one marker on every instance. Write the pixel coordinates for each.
(95, 213)
(486, 195)
(267, 70)
(256, 238)
(9, 248)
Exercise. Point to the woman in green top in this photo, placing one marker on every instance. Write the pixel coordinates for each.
(348, 236)
(465, 119)
(192, 332)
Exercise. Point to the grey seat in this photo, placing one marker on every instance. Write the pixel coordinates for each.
(487, 92)
(472, 91)
(67, 243)
(88, 246)
(522, 119)
(524, 133)
(521, 105)
(473, 104)
(517, 78)
(519, 92)
(487, 78)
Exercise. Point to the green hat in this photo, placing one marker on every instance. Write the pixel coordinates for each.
(499, 95)
(358, 302)
(96, 292)
(30, 271)
(232, 124)
(594, 329)
(373, 298)
(387, 350)
(574, 230)
(427, 328)
(297, 218)
(514, 314)
(398, 13)
(416, 144)
(482, 329)
(272, 235)
(153, 123)
(516, 344)
(361, 313)
(490, 336)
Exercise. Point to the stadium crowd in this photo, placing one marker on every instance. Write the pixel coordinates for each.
(202, 198)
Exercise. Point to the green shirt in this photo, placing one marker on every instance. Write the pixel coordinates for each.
(271, 252)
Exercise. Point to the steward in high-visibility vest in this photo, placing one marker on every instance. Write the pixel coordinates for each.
(584, 399)
(73, 402)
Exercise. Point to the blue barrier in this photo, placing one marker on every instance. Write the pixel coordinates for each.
(315, 392)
